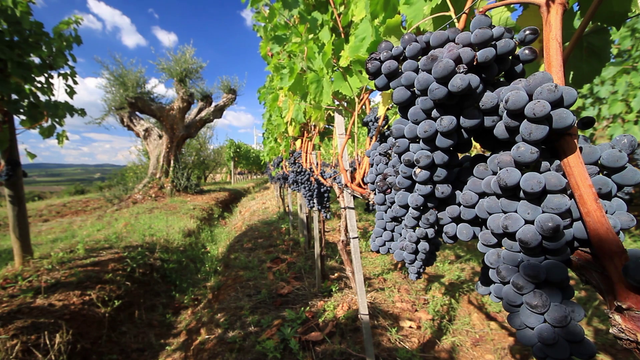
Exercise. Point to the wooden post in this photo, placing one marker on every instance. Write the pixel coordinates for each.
(303, 223)
(290, 211)
(352, 231)
(317, 252)
(233, 178)
(316, 248)
(281, 197)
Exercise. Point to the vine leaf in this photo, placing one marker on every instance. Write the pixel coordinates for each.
(359, 43)
(414, 11)
(30, 155)
(588, 58)
(385, 102)
(612, 13)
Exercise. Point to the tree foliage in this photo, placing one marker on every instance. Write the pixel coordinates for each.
(613, 97)
(31, 61)
(244, 157)
(315, 53)
(200, 155)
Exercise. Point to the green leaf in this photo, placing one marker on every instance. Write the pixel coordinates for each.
(392, 29)
(385, 102)
(359, 42)
(588, 57)
(611, 13)
(62, 137)
(30, 155)
(414, 11)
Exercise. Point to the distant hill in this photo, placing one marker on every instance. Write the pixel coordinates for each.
(54, 177)
(52, 166)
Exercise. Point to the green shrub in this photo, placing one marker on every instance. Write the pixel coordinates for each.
(75, 189)
(122, 182)
(185, 179)
(32, 195)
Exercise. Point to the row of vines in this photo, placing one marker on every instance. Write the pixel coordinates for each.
(420, 82)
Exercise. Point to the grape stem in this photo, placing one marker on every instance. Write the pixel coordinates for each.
(427, 19)
(607, 252)
(452, 11)
(465, 15)
(338, 20)
(581, 29)
(484, 9)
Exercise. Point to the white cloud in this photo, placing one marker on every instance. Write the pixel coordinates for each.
(167, 38)
(88, 96)
(152, 12)
(73, 137)
(376, 97)
(239, 119)
(114, 18)
(90, 21)
(40, 3)
(90, 148)
(161, 89)
(247, 15)
(245, 130)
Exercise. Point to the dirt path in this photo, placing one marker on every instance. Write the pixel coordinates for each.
(262, 304)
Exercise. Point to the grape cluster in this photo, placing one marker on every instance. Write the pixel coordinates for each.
(316, 194)
(371, 123)
(275, 174)
(9, 169)
(452, 89)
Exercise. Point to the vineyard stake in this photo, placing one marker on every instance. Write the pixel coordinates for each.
(316, 237)
(290, 211)
(352, 231)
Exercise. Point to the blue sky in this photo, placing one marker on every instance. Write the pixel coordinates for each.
(220, 30)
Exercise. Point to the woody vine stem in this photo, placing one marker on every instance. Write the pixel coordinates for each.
(602, 267)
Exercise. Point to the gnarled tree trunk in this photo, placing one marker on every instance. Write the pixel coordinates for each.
(178, 123)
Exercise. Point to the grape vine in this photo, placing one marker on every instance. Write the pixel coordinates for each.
(464, 146)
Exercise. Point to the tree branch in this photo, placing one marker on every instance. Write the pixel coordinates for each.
(138, 125)
(183, 102)
(208, 115)
(147, 107)
(580, 31)
(200, 107)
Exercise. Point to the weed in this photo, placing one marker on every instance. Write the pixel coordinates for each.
(271, 348)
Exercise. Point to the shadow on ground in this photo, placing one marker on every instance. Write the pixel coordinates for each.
(109, 302)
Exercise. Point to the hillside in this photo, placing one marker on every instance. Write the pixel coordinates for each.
(54, 177)
(34, 166)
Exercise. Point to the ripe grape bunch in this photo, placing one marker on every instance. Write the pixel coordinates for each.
(275, 174)
(453, 88)
(371, 123)
(316, 194)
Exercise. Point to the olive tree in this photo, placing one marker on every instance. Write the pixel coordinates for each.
(164, 123)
